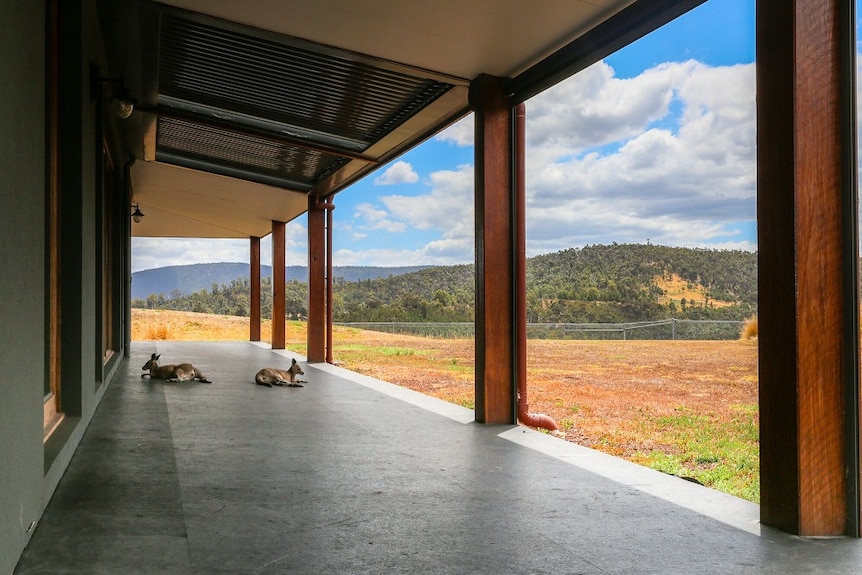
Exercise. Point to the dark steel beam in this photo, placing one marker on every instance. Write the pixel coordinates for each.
(616, 32)
(247, 130)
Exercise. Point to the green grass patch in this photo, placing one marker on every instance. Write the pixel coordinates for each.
(459, 369)
(466, 401)
(566, 424)
(358, 350)
(723, 455)
(390, 351)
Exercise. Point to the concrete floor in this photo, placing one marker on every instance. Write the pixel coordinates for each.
(351, 475)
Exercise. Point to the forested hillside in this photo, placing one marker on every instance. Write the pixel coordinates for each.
(601, 283)
(630, 282)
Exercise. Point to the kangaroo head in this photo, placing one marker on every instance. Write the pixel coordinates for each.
(151, 364)
(294, 368)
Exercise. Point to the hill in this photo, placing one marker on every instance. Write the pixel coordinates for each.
(177, 281)
(641, 282)
(600, 283)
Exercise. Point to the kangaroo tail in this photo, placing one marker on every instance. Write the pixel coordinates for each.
(260, 379)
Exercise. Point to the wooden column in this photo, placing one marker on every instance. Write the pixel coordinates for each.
(316, 338)
(808, 261)
(495, 252)
(278, 288)
(254, 289)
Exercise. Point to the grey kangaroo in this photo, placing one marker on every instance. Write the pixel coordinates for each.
(181, 372)
(270, 376)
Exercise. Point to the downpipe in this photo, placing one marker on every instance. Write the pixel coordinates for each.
(329, 206)
(524, 415)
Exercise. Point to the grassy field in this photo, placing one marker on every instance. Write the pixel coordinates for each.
(688, 408)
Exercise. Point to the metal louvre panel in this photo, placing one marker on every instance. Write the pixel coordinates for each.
(282, 162)
(312, 89)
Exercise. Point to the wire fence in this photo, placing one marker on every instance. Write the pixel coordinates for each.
(667, 329)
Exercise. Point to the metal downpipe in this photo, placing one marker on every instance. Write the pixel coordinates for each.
(328, 206)
(524, 415)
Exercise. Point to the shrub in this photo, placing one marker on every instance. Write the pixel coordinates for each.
(157, 332)
(749, 328)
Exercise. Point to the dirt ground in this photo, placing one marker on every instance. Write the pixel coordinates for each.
(594, 390)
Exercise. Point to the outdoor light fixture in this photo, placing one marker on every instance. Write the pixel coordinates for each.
(122, 103)
(137, 215)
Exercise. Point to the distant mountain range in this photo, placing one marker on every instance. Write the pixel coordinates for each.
(188, 279)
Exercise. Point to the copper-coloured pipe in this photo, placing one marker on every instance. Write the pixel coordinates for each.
(524, 415)
(328, 206)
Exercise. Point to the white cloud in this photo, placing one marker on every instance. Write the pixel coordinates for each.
(461, 133)
(448, 207)
(149, 253)
(440, 252)
(377, 219)
(667, 156)
(680, 168)
(398, 173)
(594, 108)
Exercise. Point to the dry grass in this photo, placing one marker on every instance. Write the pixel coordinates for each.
(684, 407)
(159, 324)
(676, 289)
(749, 329)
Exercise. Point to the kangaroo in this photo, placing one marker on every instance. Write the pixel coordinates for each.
(181, 372)
(270, 376)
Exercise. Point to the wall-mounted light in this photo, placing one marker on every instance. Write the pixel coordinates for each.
(137, 215)
(122, 103)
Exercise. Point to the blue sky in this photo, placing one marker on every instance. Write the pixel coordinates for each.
(655, 143)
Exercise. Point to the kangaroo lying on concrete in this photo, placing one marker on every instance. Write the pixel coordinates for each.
(270, 376)
(181, 372)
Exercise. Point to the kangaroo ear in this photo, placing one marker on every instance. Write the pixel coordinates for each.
(157, 356)
(293, 362)
(154, 356)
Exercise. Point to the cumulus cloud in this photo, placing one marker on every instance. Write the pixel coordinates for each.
(436, 253)
(398, 173)
(461, 133)
(669, 155)
(377, 219)
(446, 209)
(149, 253)
(593, 107)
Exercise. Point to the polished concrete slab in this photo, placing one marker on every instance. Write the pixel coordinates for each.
(352, 475)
